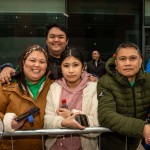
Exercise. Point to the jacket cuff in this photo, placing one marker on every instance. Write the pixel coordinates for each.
(59, 123)
(6, 65)
(7, 122)
(77, 111)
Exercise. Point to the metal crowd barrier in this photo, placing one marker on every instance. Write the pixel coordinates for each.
(56, 131)
(43, 132)
(1, 128)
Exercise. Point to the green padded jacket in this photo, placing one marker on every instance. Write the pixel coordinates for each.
(122, 108)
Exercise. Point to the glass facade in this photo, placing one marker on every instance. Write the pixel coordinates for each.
(146, 31)
(22, 23)
(95, 24)
(104, 24)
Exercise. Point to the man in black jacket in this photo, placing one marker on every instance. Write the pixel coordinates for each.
(96, 66)
(56, 42)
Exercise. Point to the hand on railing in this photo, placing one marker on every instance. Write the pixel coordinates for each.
(70, 122)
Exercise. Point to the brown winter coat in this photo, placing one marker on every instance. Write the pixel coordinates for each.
(13, 101)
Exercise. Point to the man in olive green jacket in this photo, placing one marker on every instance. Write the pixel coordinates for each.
(124, 100)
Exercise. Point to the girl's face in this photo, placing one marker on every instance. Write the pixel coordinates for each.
(35, 66)
(72, 69)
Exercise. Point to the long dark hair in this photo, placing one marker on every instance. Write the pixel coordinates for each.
(20, 76)
(71, 51)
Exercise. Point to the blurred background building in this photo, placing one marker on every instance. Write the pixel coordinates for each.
(93, 24)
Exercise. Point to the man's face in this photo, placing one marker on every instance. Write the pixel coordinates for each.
(56, 41)
(95, 55)
(128, 62)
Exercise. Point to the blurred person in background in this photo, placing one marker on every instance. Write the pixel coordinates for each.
(96, 66)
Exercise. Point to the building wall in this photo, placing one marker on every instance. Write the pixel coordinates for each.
(92, 24)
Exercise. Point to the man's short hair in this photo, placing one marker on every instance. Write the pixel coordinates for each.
(128, 44)
(96, 51)
(62, 28)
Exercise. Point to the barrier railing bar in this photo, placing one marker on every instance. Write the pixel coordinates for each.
(56, 131)
(12, 143)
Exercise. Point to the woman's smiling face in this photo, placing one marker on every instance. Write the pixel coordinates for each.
(35, 66)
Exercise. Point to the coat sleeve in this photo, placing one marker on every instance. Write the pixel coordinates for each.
(92, 115)
(51, 119)
(6, 117)
(6, 65)
(91, 107)
(4, 101)
(108, 116)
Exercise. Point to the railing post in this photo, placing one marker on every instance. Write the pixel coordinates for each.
(43, 144)
(12, 143)
(1, 129)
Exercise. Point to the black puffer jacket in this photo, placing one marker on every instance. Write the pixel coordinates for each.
(122, 108)
(98, 70)
(53, 65)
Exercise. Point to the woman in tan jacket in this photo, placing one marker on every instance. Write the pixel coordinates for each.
(28, 89)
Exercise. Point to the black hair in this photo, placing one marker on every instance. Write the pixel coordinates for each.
(71, 51)
(62, 28)
(128, 44)
(96, 51)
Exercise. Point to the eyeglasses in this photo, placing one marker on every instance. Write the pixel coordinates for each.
(131, 58)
